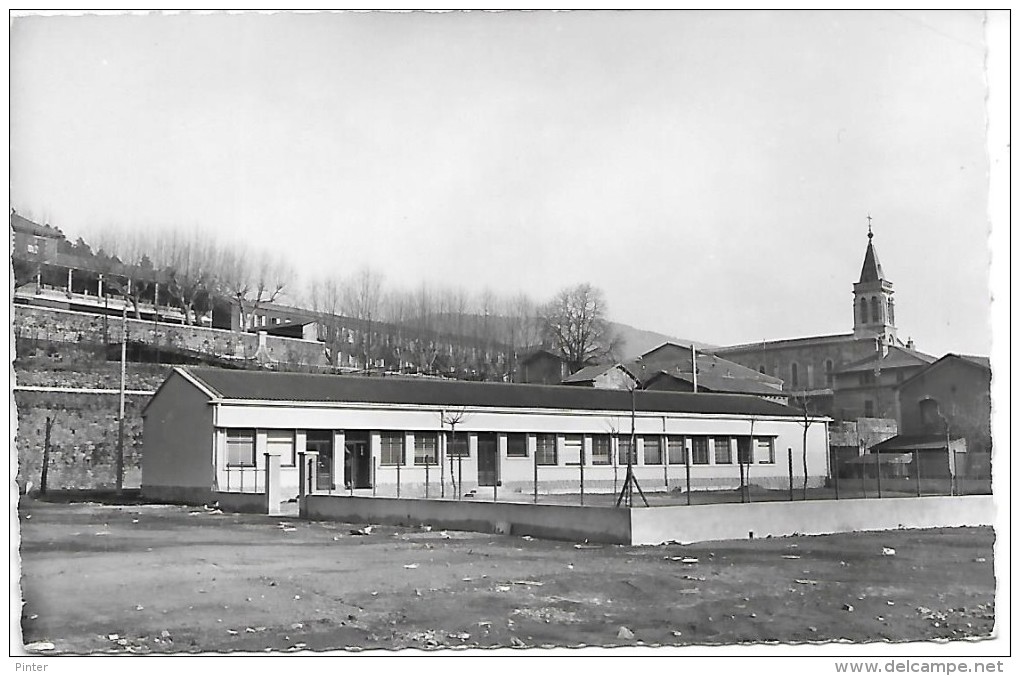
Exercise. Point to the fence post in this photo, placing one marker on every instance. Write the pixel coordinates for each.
(45, 458)
(582, 475)
(374, 474)
(835, 474)
(878, 472)
(917, 473)
(789, 458)
(426, 477)
(398, 479)
(535, 481)
(687, 471)
(273, 484)
(460, 477)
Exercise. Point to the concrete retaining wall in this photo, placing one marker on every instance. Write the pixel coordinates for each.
(734, 521)
(554, 522)
(249, 503)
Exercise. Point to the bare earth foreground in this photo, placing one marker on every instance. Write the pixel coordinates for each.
(156, 579)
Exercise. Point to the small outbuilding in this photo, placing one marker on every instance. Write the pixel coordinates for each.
(209, 430)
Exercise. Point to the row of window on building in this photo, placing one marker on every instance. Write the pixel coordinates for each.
(655, 449)
(795, 382)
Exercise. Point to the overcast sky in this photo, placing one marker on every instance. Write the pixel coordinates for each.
(711, 172)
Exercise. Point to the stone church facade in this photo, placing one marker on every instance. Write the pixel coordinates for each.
(849, 375)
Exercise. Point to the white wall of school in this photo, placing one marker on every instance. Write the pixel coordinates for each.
(518, 473)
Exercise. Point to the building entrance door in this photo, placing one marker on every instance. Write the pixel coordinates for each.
(322, 441)
(357, 462)
(488, 466)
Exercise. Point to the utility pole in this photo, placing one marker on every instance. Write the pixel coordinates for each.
(694, 366)
(120, 418)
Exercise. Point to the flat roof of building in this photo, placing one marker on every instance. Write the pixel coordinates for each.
(303, 388)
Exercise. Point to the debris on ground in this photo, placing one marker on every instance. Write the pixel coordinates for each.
(40, 646)
(587, 546)
(517, 643)
(410, 566)
(806, 581)
(367, 530)
(980, 559)
(625, 633)
(529, 583)
(527, 537)
(848, 608)
(888, 551)
(790, 556)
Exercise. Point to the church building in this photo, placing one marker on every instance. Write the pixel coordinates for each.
(848, 375)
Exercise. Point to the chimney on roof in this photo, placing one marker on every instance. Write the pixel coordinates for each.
(910, 343)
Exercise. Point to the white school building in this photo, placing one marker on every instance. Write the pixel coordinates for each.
(213, 430)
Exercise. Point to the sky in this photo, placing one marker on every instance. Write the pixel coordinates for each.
(711, 172)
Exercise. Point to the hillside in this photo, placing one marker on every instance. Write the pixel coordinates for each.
(639, 341)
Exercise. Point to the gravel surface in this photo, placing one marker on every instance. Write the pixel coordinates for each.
(156, 579)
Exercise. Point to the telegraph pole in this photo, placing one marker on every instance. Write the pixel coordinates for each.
(120, 418)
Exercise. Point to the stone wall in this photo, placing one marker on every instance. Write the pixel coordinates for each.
(83, 439)
(63, 326)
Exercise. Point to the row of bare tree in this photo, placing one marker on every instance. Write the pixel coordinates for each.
(435, 324)
(195, 268)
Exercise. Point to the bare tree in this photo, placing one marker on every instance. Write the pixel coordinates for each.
(251, 279)
(123, 260)
(452, 418)
(574, 323)
(362, 297)
(190, 260)
(326, 298)
(803, 404)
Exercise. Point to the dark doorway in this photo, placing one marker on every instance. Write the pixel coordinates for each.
(357, 460)
(322, 441)
(488, 468)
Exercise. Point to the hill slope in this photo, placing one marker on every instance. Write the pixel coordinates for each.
(639, 341)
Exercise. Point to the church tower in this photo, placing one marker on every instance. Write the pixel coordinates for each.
(874, 315)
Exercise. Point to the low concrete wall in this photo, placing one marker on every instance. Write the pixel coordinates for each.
(248, 503)
(178, 495)
(554, 522)
(655, 525)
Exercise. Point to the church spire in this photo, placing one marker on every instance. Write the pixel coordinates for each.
(874, 314)
(872, 269)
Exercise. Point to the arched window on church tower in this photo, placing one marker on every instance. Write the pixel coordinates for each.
(876, 313)
(864, 310)
(892, 316)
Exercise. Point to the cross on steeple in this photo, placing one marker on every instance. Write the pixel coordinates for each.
(869, 227)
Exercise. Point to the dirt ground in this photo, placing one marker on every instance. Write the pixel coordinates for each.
(156, 579)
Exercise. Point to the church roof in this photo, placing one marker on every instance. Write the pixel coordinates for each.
(896, 357)
(871, 271)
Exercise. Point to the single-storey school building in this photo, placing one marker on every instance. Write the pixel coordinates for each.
(209, 430)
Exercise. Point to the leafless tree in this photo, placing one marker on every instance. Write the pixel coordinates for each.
(574, 322)
(251, 279)
(190, 260)
(326, 299)
(452, 418)
(362, 296)
(803, 404)
(122, 257)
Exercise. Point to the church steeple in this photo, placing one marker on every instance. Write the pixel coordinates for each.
(874, 314)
